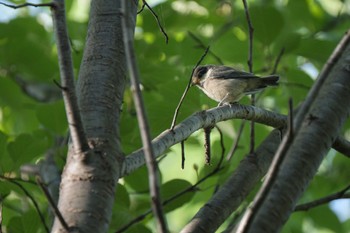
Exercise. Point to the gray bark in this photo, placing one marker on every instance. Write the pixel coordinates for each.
(89, 179)
(318, 132)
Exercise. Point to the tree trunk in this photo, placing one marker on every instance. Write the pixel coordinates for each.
(89, 179)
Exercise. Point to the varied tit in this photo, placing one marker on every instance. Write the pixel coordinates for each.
(227, 85)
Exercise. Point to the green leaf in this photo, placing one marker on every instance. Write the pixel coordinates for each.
(288, 41)
(28, 222)
(122, 196)
(310, 48)
(139, 180)
(53, 117)
(22, 38)
(25, 148)
(268, 22)
(172, 189)
(18, 111)
(323, 217)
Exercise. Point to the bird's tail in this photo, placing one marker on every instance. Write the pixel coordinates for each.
(271, 80)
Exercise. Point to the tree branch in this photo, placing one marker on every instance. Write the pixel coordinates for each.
(186, 89)
(201, 45)
(52, 203)
(236, 188)
(324, 74)
(250, 65)
(157, 19)
(338, 195)
(51, 4)
(192, 188)
(87, 190)
(319, 126)
(247, 219)
(151, 162)
(35, 203)
(200, 120)
(342, 145)
(75, 124)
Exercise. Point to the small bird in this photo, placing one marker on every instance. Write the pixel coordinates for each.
(227, 85)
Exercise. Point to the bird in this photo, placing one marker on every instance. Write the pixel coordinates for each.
(227, 85)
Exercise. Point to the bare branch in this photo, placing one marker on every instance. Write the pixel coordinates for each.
(236, 188)
(157, 19)
(142, 7)
(191, 188)
(67, 78)
(144, 127)
(250, 65)
(51, 4)
(198, 121)
(52, 203)
(235, 145)
(36, 206)
(251, 32)
(186, 90)
(277, 62)
(246, 222)
(202, 46)
(342, 145)
(321, 122)
(325, 200)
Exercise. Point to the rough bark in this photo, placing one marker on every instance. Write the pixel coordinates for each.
(319, 130)
(201, 120)
(231, 195)
(89, 179)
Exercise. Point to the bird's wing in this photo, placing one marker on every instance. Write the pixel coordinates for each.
(224, 72)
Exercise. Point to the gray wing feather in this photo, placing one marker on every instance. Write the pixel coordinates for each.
(224, 72)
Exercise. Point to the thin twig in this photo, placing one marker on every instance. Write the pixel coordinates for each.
(201, 45)
(158, 21)
(144, 127)
(181, 193)
(271, 176)
(277, 62)
(252, 129)
(142, 7)
(52, 204)
(251, 32)
(36, 206)
(59, 85)
(186, 90)
(50, 4)
(250, 65)
(75, 123)
(235, 145)
(325, 200)
(221, 144)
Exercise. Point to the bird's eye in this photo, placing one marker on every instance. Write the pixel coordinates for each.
(201, 71)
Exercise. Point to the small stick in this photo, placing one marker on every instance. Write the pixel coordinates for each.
(52, 203)
(186, 90)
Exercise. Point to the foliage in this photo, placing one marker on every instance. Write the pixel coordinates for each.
(307, 32)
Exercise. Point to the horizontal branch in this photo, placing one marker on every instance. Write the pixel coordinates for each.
(342, 145)
(200, 120)
(325, 200)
